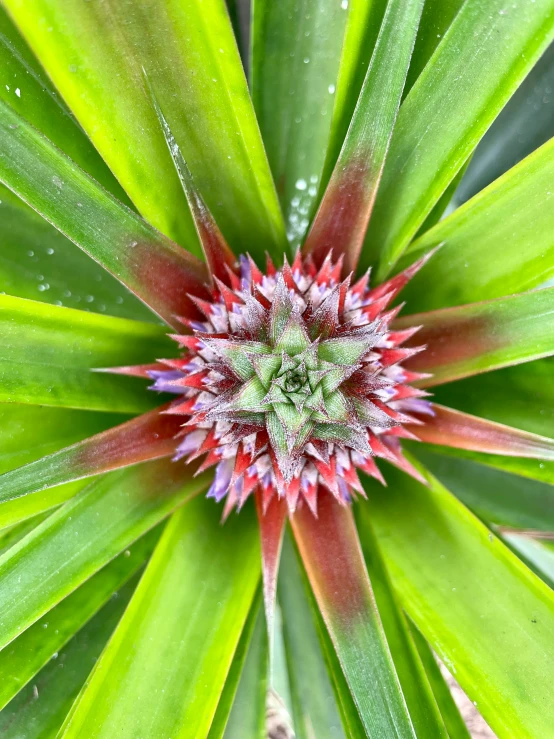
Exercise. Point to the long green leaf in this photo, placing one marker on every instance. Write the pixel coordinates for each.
(450, 713)
(534, 469)
(27, 89)
(16, 511)
(525, 124)
(536, 553)
(498, 497)
(247, 715)
(296, 48)
(84, 535)
(486, 615)
(48, 354)
(481, 337)
(314, 710)
(351, 721)
(28, 432)
(26, 655)
(435, 21)
(422, 707)
(151, 266)
(362, 28)
(10, 535)
(146, 437)
(41, 707)
(188, 50)
(39, 263)
(499, 242)
(446, 113)
(342, 218)
(331, 553)
(226, 699)
(521, 396)
(165, 667)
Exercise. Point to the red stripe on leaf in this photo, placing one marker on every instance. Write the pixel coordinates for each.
(272, 517)
(453, 428)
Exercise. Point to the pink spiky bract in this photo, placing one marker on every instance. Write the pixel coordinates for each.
(292, 381)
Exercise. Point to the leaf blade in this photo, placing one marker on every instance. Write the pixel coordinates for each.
(427, 148)
(495, 244)
(330, 550)
(49, 354)
(415, 524)
(343, 215)
(171, 586)
(108, 515)
(158, 271)
(480, 337)
(184, 47)
(27, 654)
(293, 71)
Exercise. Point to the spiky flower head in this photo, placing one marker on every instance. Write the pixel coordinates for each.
(294, 379)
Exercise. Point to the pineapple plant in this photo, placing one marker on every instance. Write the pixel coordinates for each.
(276, 382)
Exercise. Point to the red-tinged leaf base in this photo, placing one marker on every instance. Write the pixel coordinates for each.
(449, 427)
(331, 552)
(272, 520)
(150, 436)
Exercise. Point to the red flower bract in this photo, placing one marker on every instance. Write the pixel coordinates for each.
(294, 379)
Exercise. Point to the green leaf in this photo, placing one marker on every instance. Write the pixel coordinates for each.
(179, 632)
(247, 715)
(521, 396)
(481, 337)
(498, 497)
(84, 535)
(314, 709)
(495, 44)
(422, 707)
(342, 218)
(487, 616)
(48, 354)
(330, 550)
(296, 48)
(525, 124)
(39, 263)
(351, 721)
(154, 268)
(436, 19)
(41, 707)
(453, 721)
(28, 432)
(538, 554)
(190, 56)
(497, 243)
(20, 509)
(362, 28)
(10, 535)
(27, 89)
(228, 693)
(29, 652)
(146, 437)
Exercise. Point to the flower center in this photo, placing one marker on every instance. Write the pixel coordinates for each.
(292, 382)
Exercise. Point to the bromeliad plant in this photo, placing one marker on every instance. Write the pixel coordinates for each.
(296, 389)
